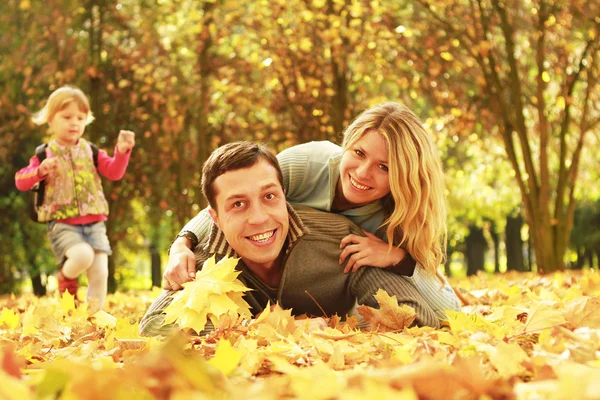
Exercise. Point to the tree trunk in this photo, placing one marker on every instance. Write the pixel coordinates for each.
(156, 267)
(39, 289)
(529, 254)
(112, 283)
(476, 247)
(496, 242)
(514, 244)
(447, 264)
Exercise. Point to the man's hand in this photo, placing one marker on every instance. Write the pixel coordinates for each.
(181, 267)
(125, 142)
(369, 250)
(47, 167)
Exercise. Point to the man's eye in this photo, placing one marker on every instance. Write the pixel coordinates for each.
(237, 204)
(383, 167)
(270, 196)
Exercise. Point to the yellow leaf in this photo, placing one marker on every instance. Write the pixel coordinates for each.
(446, 56)
(13, 388)
(9, 318)
(390, 315)
(104, 319)
(226, 357)
(507, 358)
(542, 317)
(545, 77)
(126, 330)
(31, 321)
(213, 294)
(67, 302)
(24, 5)
(584, 311)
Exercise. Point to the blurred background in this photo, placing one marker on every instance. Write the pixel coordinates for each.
(509, 89)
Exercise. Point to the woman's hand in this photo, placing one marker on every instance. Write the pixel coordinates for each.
(370, 251)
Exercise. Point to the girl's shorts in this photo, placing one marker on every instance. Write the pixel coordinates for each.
(63, 236)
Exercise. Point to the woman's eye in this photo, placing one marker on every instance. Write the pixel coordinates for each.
(383, 167)
(359, 153)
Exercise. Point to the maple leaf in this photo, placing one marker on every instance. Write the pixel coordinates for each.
(584, 311)
(507, 358)
(214, 293)
(9, 317)
(541, 317)
(67, 302)
(274, 321)
(390, 315)
(104, 319)
(226, 357)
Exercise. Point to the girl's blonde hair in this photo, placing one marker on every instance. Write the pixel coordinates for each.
(59, 100)
(416, 206)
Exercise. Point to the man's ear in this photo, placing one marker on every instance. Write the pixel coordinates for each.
(213, 215)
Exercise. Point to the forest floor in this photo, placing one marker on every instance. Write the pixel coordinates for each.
(520, 336)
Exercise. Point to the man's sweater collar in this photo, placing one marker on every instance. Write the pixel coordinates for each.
(217, 244)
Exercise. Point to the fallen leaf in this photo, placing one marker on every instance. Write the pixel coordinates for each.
(541, 317)
(584, 311)
(390, 315)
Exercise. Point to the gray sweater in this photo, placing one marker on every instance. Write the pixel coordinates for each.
(310, 265)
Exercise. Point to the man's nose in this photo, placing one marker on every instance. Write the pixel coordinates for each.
(257, 215)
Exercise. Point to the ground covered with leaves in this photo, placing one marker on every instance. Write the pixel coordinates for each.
(521, 336)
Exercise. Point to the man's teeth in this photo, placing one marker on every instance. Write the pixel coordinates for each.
(358, 185)
(263, 237)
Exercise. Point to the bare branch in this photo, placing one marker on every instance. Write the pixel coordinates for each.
(563, 171)
(517, 97)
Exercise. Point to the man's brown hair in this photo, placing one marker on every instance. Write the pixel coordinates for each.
(231, 157)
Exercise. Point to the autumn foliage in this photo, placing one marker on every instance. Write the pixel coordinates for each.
(521, 336)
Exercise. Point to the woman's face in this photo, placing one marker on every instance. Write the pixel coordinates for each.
(364, 175)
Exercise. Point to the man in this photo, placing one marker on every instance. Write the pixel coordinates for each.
(288, 256)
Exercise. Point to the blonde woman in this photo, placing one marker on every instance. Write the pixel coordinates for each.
(387, 177)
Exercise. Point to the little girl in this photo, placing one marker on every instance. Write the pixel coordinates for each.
(74, 206)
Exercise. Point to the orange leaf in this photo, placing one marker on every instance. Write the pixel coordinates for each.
(390, 315)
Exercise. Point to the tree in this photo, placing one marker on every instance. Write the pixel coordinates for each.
(528, 72)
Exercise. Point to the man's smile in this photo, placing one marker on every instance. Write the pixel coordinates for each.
(262, 237)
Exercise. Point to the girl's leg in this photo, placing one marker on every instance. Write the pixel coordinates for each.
(97, 282)
(79, 258)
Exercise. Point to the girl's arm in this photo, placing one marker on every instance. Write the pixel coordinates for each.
(26, 177)
(113, 167)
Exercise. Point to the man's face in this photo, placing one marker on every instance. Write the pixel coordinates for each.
(252, 213)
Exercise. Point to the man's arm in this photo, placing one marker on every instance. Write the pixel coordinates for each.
(152, 323)
(199, 225)
(368, 280)
(181, 266)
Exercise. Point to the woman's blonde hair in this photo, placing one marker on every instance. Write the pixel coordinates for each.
(416, 206)
(59, 100)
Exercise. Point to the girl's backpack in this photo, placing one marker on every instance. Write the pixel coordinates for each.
(36, 199)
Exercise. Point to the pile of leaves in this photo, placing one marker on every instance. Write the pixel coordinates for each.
(520, 336)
